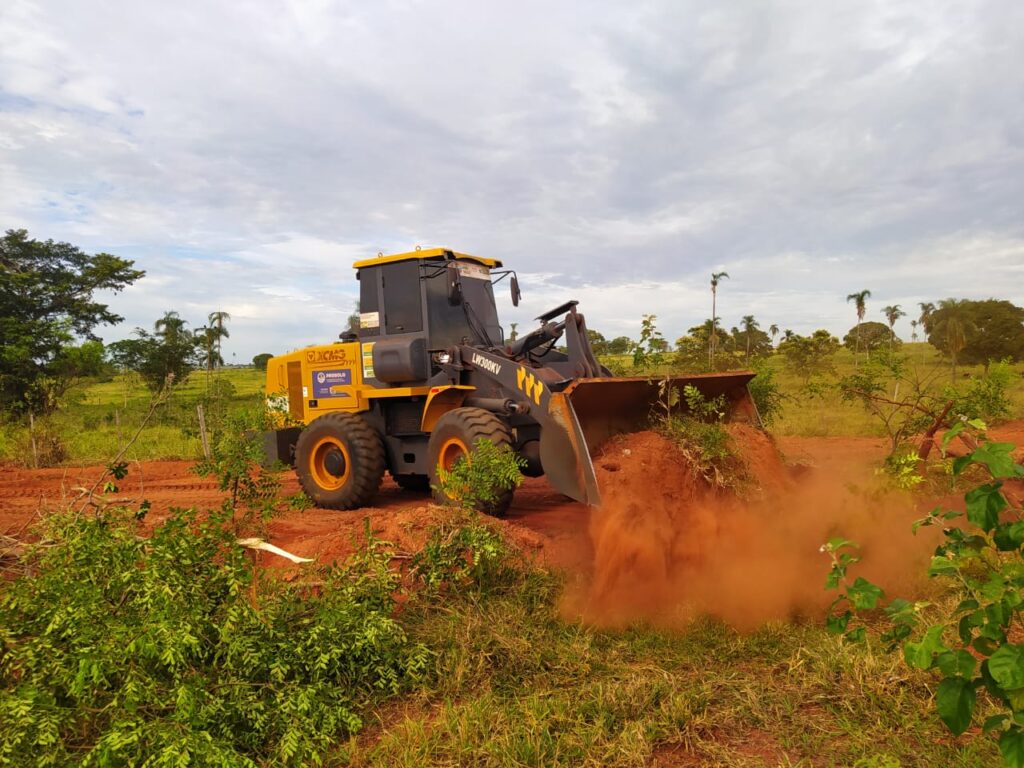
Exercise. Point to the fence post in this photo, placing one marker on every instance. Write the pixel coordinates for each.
(202, 431)
(32, 439)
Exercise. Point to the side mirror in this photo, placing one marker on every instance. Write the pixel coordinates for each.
(516, 293)
(454, 284)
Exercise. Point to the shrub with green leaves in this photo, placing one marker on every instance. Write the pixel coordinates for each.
(121, 650)
(237, 461)
(985, 397)
(764, 389)
(462, 552)
(480, 482)
(697, 430)
(976, 648)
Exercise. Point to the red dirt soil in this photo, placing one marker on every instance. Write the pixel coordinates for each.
(661, 548)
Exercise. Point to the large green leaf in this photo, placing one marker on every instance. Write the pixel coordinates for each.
(997, 457)
(863, 594)
(1006, 666)
(1009, 536)
(953, 663)
(955, 702)
(1011, 746)
(919, 655)
(984, 504)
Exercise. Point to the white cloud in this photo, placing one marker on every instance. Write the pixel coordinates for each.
(245, 155)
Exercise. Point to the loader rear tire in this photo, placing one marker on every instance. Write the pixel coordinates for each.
(453, 437)
(339, 459)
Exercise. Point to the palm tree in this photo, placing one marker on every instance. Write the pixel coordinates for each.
(715, 278)
(892, 314)
(951, 321)
(217, 321)
(860, 300)
(208, 337)
(513, 334)
(749, 326)
(170, 326)
(927, 310)
(773, 329)
(787, 335)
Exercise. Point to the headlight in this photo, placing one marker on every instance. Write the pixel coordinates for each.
(442, 358)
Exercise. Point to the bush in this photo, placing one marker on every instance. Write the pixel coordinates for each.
(49, 448)
(119, 650)
(490, 473)
(699, 433)
(973, 647)
(463, 551)
(986, 396)
(764, 388)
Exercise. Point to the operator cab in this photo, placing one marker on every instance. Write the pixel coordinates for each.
(414, 306)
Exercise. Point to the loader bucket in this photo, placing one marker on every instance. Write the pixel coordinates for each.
(589, 411)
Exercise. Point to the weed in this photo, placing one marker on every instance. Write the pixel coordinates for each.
(903, 469)
(986, 397)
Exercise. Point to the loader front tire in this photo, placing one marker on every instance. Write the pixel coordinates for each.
(339, 459)
(453, 438)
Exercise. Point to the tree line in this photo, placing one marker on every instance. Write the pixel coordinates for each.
(49, 316)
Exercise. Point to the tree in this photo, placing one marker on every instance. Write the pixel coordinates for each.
(46, 302)
(715, 278)
(927, 308)
(750, 340)
(977, 332)
(208, 340)
(620, 345)
(749, 326)
(260, 361)
(216, 321)
(513, 333)
(913, 330)
(873, 336)
(773, 329)
(807, 356)
(860, 301)
(170, 351)
(892, 314)
(598, 343)
(950, 323)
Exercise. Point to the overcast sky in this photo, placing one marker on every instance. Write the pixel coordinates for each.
(245, 153)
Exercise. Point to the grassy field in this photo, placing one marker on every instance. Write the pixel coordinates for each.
(829, 416)
(100, 417)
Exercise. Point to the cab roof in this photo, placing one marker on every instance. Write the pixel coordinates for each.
(426, 253)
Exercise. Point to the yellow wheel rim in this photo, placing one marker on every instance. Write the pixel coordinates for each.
(329, 463)
(451, 451)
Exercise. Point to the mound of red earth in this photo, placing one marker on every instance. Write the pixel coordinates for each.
(668, 546)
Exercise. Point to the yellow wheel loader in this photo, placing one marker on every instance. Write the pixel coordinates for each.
(429, 372)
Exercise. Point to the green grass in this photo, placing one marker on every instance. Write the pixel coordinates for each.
(514, 684)
(829, 416)
(99, 418)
